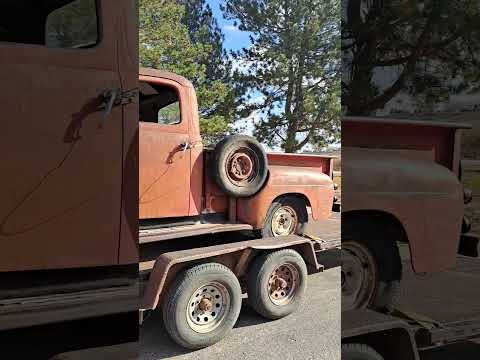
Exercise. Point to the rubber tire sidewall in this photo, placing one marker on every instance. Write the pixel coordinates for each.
(221, 153)
(359, 352)
(177, 299)
(294, 202)
(258, 277)
(377, 238)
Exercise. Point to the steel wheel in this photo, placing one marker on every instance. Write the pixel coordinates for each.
(283, 284)
(284, 221)
(241, 167)
(358, 277)
(207, 307)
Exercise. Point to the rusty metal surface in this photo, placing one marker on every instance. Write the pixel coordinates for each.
(62, 178)
(312, 183)
(30, 311)
(179, 178)
(166, 261)
(408, 171)
(160, 234)
(358, 322)
(403, 122)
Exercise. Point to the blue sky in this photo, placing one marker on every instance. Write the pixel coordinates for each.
(234, 38)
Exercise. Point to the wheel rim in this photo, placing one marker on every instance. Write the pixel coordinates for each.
(241, 167)
(283, 284)
(208, 307)
(284, 221)
(358, 276)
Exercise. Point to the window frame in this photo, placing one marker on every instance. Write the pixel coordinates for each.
(100, 34)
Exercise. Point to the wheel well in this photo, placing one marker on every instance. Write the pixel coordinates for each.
(380, 232)
(377, 217)
(295, 195)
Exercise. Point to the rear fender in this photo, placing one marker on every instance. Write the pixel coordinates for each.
(237, 256)
(308, 183)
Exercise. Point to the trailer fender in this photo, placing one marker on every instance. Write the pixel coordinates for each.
(169, 264)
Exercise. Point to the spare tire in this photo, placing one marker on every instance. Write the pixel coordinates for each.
(240, 165)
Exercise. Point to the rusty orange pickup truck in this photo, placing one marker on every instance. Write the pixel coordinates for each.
(193, 190)
(401, 184)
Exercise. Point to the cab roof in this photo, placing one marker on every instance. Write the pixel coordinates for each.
(165, 75)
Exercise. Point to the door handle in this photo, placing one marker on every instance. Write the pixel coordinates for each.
(109, 97)
(185, 146)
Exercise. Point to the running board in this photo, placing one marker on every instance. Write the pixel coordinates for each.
(161, 234)
(37, 310)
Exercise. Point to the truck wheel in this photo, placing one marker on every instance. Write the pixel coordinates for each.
(286, 216)
(202, 305)
(276, 283)
(359, 352)
(240, 165)
(371, 266)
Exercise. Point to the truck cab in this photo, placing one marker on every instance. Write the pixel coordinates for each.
(179, 177)
(68, 214)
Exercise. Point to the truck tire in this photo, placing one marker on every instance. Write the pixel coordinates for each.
(371, 266)
(240, 166)
(359, 352)
(213, 297)
(286, 215)
(276, 283)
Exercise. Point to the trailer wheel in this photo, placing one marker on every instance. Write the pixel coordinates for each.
(202, 305)
(359, 352)
(371, 266)
(287, 215)
(240, 165)
(276, 283)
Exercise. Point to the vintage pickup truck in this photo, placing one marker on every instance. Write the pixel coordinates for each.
(400, 183)
(185, 189)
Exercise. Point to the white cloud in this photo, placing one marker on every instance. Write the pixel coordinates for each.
(231, 28)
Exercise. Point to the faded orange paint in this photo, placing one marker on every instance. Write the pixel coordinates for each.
(408, 169)
(174, 180)
(67, 181)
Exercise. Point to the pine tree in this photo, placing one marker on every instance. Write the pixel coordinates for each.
(293, 63)
(165, 43)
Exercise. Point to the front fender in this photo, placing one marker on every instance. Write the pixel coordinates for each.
(310, 183)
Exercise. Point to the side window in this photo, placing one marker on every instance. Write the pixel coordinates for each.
(74, 25)
(57, 24)
(170, 114)
(159, 104)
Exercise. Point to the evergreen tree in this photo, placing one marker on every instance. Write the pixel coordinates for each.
(429, 49)
(165, 43)
(293, 63)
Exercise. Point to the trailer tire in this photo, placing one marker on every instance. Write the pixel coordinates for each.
(276, 283)
(209, 321)
(293, 210)
(370, 261)
(240, 165)
(359, 352)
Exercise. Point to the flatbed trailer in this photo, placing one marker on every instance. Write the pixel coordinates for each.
(284, 262)
(427, 316)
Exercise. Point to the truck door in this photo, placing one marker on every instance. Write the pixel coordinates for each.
(164, 153)
(61, 165)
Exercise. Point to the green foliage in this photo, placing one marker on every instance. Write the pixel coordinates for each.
(293, 63)
(165, 43)
(429, 48)
(72, 25)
